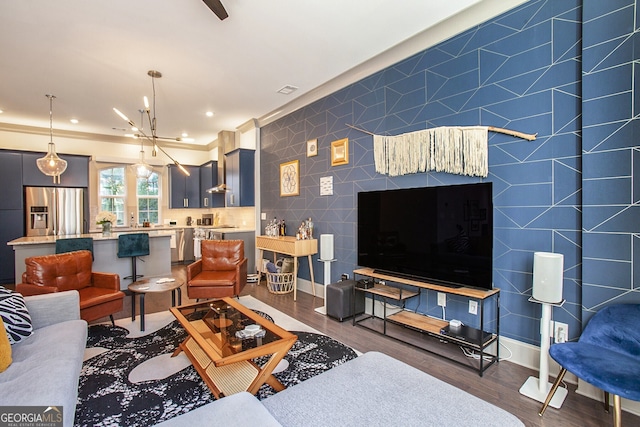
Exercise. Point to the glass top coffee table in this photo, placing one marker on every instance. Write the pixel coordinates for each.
(223, 338)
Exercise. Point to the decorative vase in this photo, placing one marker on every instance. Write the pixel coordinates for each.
(106, 229)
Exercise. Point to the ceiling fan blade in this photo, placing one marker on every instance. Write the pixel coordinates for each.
(217, 8)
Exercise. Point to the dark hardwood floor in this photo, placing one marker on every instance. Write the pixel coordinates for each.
(499, 385)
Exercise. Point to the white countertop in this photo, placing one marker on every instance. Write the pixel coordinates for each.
(34, 240)
(225, 229)
(162, 231)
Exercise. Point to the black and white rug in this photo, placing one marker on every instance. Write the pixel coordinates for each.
(109, 397)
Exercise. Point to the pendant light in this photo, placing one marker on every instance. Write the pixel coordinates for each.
(142, 169)
(51, 164)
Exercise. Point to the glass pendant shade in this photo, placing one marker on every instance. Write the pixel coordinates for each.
(142, 168)
(51, 164)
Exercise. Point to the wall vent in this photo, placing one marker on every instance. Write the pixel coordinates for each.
(287, 89)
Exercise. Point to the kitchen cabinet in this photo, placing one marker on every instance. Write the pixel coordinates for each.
(11, 178)
(240, 177)
(184, 191)
(208, 179)
(12, 221)
(76, 175)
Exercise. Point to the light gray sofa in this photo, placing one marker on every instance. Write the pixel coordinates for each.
(46, 366)
(371, 390)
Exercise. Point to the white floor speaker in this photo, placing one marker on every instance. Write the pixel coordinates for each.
(326, 246)
(547, 277)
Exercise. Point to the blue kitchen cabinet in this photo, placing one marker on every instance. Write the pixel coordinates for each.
(184, 191)
(76, 175)
(12, 221)
(240, 177)
(11, 178)
(209, 179)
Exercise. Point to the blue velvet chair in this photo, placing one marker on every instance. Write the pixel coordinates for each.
(75, 244)
(133, 245)
(607, 356)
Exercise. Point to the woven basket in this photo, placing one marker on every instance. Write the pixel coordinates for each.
(280, 283)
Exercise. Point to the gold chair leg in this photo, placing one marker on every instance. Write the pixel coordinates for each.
(606, 402)
(554, 387)
(617, 411)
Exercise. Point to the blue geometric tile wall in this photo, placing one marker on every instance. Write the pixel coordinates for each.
(571, 191)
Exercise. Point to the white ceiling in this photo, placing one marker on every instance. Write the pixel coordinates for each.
(94, 55)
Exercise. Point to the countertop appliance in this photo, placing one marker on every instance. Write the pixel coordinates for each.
(55, 211)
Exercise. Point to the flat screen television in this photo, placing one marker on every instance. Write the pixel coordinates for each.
(441, 235)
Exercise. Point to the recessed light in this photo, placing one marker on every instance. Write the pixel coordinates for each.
(209, 113)
(1, 111)
(185, 134)
(74, 121)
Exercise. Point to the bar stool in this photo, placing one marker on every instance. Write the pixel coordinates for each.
(133, 245)
(75, 244)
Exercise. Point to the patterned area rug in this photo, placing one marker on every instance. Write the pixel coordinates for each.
(108, 398)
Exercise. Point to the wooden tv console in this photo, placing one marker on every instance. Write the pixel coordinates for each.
(424, 325)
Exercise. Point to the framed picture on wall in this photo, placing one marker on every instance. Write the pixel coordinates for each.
(312, 147)
(290, 178)
(340, 152)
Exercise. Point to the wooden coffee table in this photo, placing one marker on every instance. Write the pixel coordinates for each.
(221, 357)
(151, 285)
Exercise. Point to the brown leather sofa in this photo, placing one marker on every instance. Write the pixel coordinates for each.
(221, 272)
(100, 294)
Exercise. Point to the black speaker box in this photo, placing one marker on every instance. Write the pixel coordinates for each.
(340, 297)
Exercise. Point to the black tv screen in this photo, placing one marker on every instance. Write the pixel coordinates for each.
(441, 235)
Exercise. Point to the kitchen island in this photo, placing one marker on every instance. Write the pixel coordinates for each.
(105, 251)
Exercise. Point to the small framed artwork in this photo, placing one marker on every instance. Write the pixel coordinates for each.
(290, 178)
(312, 147)
(340, 152)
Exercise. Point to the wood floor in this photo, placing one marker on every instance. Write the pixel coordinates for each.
(499, 385)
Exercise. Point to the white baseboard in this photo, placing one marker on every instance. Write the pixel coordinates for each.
(511, 350)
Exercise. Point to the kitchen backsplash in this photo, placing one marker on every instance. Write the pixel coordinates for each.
(241, 217)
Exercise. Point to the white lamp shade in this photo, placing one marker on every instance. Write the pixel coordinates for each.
(326, 246)
(547, 277)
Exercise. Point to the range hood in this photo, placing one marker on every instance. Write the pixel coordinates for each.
(226, 143)
(220, 188)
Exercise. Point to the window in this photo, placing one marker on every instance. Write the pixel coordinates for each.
(148, 195)
(112, 192)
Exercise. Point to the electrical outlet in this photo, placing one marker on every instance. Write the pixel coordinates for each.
(344, 276)
(442, 299)
(473, 307)
(263, 215)
(560, 332)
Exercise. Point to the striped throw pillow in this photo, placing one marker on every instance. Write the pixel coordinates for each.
(15, 316)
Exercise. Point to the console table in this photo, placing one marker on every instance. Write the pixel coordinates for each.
(428, 325)
(289, 245)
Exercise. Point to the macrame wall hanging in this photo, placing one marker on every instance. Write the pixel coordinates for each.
(452, 149)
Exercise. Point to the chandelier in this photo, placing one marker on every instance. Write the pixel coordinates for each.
(51, 164)
(153, 138)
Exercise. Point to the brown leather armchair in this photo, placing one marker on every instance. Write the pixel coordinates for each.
(100, 294)
(221, 272)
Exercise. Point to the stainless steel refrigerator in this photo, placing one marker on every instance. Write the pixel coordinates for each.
(55, 211)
